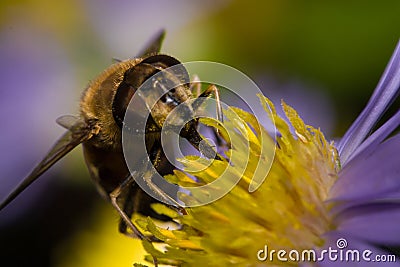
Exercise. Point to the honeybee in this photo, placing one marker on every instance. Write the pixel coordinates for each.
(99, 129)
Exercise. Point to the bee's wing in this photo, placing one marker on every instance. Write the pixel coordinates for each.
(69, 122)
(154, 45)
(78, 133)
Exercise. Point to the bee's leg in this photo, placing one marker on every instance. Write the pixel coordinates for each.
(128, 208)
(212, 89)
(135, 200)
(195, 86)
(156, 156)
(157, 159)
(124, 216)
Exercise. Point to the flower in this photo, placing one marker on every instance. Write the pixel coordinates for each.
(317, 196)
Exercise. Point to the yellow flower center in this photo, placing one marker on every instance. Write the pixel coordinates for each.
(288, 210)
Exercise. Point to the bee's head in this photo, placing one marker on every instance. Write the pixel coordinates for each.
(163, 84)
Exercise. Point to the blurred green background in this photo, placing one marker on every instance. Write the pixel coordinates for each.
(323, 57)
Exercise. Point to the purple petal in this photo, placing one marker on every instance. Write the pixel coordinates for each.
(376, 223)
(370, 175)
(378, 136)
(383, 96)
(353, 244)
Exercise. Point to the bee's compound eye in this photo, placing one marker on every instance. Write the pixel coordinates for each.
(133, 79)
(121, 102)
(138, 74)
(165, 61)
